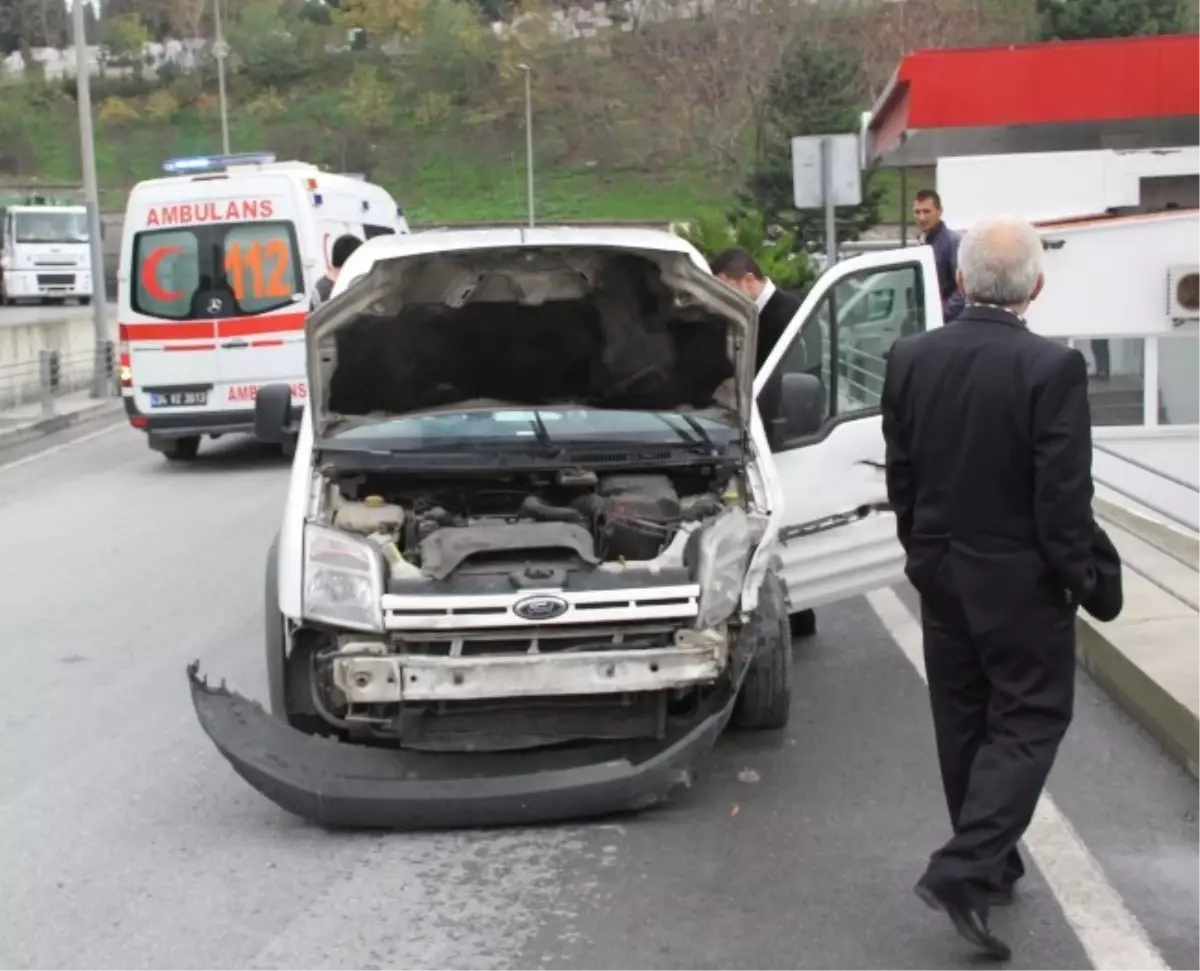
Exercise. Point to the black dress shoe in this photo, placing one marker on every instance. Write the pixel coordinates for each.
(969, 923)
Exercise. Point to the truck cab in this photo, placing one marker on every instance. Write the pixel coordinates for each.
(45, 254)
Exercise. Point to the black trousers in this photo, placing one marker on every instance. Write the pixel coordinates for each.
(1001, 688)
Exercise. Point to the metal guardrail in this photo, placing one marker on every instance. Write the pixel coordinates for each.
(52, 375)
(1141, 500)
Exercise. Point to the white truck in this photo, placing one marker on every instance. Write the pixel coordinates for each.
(45, 254)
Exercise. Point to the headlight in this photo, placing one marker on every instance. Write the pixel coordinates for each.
(343, 580)
(724, 555)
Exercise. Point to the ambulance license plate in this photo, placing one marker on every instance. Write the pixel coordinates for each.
(178, 399)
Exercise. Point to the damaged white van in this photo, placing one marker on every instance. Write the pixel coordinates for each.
(539, 548)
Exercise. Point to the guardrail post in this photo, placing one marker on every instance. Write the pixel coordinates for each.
(48, 380)
(109, 352)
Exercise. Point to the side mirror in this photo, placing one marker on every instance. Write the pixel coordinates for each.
(273, 414)
(802, 400)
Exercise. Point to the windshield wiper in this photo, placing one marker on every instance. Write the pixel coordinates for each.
(702, 438)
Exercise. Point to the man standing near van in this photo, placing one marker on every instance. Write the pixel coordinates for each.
(739, 271)
(343, 246)
(927, 213)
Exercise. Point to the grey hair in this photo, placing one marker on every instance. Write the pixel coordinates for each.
(1000, 260)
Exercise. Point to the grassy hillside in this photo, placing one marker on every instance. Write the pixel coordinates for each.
(443, 130)
(438, 178)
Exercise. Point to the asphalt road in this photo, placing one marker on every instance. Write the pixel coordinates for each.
(127, 841)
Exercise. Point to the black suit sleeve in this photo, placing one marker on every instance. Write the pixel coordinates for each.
(900, 486)
(1062, 461)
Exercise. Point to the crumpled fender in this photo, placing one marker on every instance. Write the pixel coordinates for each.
(359, 786)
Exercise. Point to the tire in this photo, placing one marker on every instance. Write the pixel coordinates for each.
(85, 301)
(765, 700)
(804, 623)
(181, 449)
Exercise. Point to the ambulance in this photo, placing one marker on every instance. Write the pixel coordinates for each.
(218, 264)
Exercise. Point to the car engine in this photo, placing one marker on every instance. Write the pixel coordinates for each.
(574, 518)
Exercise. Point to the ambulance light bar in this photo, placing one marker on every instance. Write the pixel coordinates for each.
(215, 163)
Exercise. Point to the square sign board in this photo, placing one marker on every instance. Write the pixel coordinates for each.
(845, 175)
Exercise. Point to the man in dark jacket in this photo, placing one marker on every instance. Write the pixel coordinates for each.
(776, 308)
(927, 213)
(989, 472)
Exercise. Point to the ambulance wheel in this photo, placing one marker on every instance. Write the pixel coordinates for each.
(181, 449)
(85, 301)
(804, 623)
(765, 700)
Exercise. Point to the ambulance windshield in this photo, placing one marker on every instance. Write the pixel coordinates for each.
(215, 270)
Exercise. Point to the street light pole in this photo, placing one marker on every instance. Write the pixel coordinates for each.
(220, 52)
(528, 139)
(91, 191)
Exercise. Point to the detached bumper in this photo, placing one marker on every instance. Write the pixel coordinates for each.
(345, 785)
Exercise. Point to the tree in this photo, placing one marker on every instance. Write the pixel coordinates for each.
(776, 257)
(381, 20)
(1086, 19)
(812, 94)
(124, 37)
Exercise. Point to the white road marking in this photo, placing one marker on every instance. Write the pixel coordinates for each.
(1110, 934)
(54, 449)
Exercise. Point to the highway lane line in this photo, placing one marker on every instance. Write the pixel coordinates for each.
(63, 446)
(1111, 935)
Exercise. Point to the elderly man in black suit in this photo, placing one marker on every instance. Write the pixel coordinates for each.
(989, 471)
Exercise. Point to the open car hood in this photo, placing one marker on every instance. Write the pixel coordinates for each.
(605, 318)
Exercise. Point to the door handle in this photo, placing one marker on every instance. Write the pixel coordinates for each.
(873, 464)
(233, 344)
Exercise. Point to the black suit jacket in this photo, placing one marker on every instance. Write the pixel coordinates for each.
(989, 455)
(773, 319)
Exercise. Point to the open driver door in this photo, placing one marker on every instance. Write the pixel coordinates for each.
(818, 397)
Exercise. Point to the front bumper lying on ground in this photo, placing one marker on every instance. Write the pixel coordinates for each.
(340, 784)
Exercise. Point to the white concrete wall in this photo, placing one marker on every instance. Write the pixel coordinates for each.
(70, 334)
(1041, 186)
(1109, 279)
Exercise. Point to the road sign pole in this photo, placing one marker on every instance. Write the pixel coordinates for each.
(87, 151)
(827, 199)
(827, 173)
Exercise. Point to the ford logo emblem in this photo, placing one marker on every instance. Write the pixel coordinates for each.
(540, 608)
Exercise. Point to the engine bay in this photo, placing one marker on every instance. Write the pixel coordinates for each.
(574, 518)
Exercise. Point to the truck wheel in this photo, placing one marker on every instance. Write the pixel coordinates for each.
(181, 449)
(804, 623)
(765, 700)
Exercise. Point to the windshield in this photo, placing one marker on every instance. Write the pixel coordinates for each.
(216, 270)
(50, 227)
(513, 427)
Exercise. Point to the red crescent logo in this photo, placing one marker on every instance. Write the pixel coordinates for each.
(150, 274)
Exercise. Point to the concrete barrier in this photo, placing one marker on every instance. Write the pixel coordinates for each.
(69, 332)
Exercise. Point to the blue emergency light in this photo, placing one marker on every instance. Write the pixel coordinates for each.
(191, 164)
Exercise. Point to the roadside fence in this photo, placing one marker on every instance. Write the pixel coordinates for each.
(54, 374)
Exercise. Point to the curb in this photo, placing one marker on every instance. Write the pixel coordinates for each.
(1163, 716)
(55, 423)
(1171, 539)
(1128, 658)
